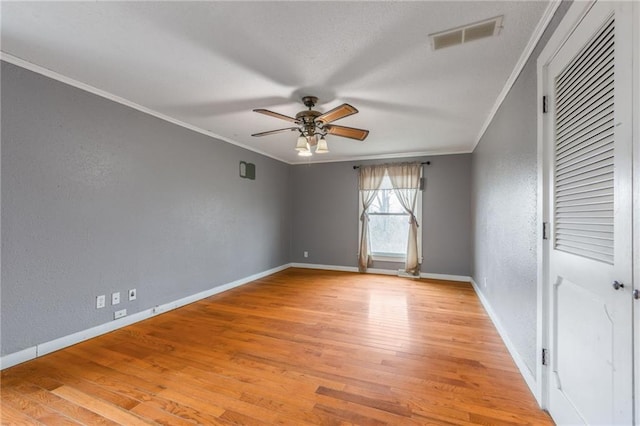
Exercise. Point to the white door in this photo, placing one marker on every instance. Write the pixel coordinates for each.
(588, 145)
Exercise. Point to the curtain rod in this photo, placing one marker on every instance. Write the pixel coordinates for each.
(424, 162)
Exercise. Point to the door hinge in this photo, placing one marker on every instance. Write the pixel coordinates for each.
(544, 105)
(545, 230)
(545, 356)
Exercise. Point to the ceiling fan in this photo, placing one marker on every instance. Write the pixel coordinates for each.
(313, 126)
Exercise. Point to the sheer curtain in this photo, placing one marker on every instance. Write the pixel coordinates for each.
(370, 178)
(405, 178)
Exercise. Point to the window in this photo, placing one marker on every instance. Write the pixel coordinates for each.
(389, 224)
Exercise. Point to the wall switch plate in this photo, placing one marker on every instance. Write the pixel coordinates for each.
(101, 301)
(133, 294)
(306, 254)
(115, 298)
(120, 314)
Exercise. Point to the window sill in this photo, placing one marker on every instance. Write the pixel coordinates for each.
(383, 258)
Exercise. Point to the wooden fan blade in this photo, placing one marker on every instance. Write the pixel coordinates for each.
(347, 132)
(337, 113)
(276, 115)
(273, 132)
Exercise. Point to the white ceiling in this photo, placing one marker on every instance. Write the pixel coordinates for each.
(208, 64)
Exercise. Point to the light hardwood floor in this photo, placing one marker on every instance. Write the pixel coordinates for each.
(298, 347)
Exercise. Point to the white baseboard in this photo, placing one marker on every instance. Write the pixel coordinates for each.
(343, 268)
(528, 376)
(445, 277)
(325, 267)
(426, 275)
(41, 349)
(18, 357)
(89, 333)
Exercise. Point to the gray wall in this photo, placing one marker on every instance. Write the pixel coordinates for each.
(504, 208)
(325, 214)
(98, 197)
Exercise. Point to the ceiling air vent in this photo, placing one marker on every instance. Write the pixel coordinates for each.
(467, 33)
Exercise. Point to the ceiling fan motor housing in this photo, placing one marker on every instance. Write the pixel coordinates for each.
(308, 121)
(309, 101)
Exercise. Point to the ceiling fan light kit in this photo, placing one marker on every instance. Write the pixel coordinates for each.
(302, 143)
(322, 147)
(313, 126)
(306, 152)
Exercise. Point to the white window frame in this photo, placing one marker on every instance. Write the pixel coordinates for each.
(390, 257)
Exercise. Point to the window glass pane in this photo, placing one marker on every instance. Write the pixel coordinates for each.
(389, 234)
(386, 182)
(386, 202)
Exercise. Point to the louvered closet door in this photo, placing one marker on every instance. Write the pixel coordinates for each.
(588, 84)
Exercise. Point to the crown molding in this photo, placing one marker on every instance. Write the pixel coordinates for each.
(384, 157)
(524, 57)
(7, 57)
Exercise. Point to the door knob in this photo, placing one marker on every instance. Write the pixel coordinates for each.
(617, 285)
(636, 294)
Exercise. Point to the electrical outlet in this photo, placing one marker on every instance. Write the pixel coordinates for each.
(133, 294)
(101, 301)
(115, 298)
(306, 254)
(485, 282)
(120, 314)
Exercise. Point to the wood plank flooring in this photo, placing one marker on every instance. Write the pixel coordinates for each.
(300, 347)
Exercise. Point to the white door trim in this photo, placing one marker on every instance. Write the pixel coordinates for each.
(636, 207)
(572, 18)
